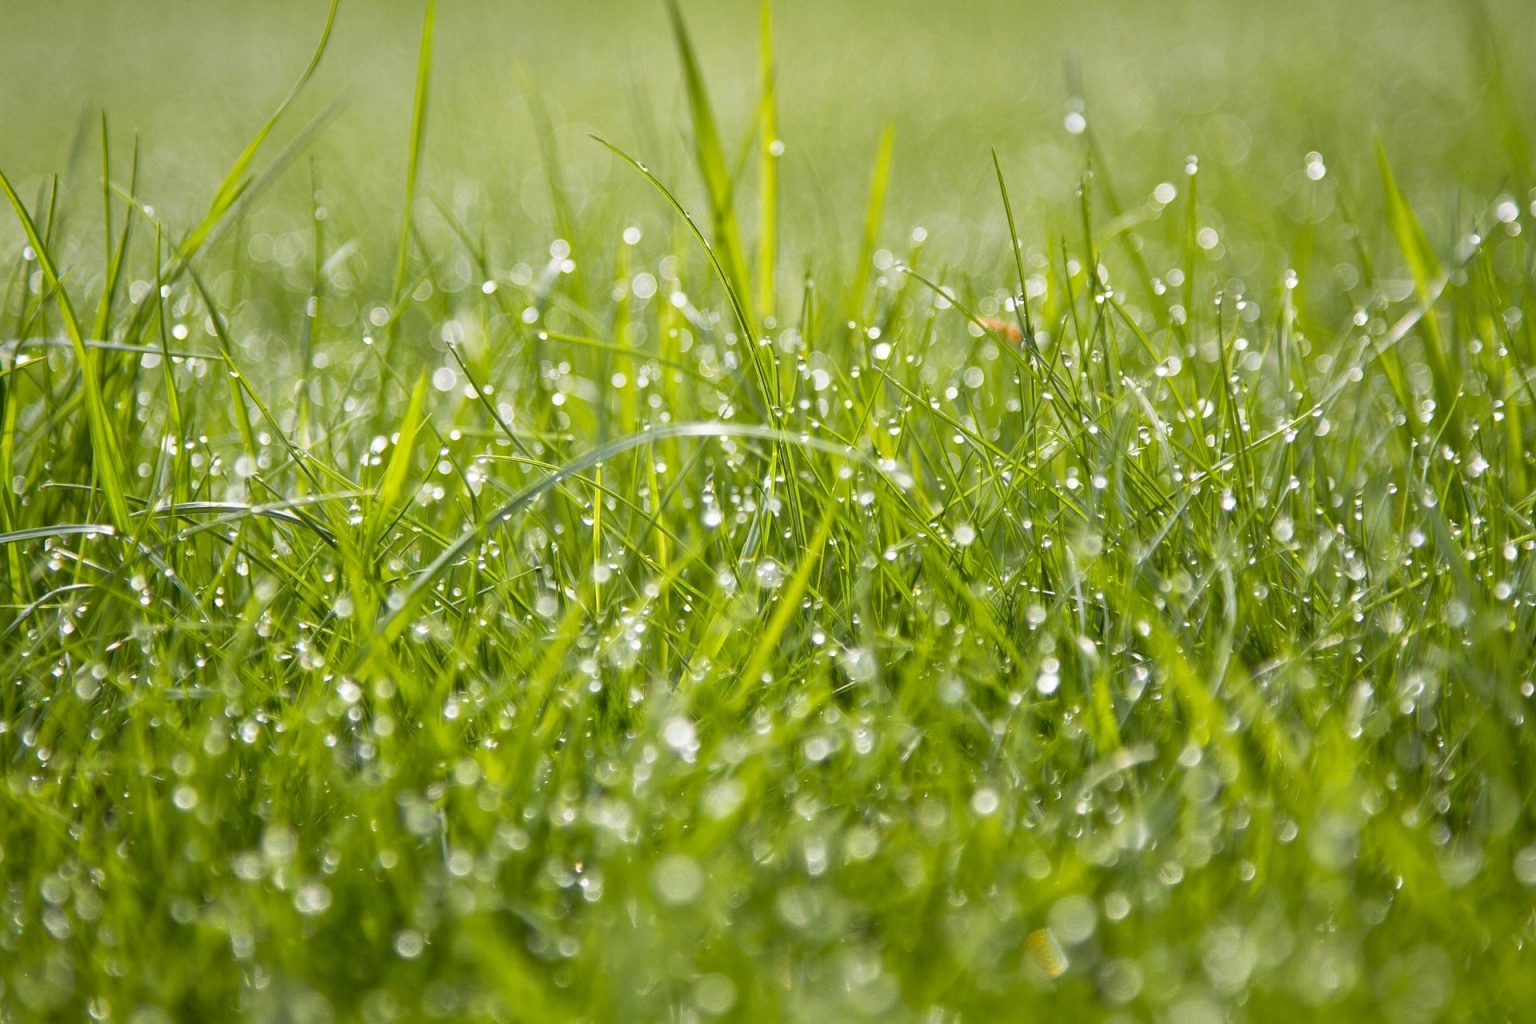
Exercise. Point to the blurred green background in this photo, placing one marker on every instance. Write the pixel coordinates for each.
(1250, 88)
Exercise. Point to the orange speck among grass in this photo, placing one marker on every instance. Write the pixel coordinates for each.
(997, 325)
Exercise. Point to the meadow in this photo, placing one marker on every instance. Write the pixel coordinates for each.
(903, 511)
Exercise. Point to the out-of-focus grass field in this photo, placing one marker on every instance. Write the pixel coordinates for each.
(1250, 91)
(1061, 549)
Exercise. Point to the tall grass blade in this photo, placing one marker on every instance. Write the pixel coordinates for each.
(709, 157)
(874, 213)
(768, 165)
(107, 459)
(235, 181)
(413, 161)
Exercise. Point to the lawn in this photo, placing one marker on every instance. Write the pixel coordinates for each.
(902, 511)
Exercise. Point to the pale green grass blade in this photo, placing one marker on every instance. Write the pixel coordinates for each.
(879, 182)
(417, 144)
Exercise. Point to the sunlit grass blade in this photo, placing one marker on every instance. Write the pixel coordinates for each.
(874, 212)
(413, 160)
(787, 603)
(107, 459)
(1021, 300)
(235, 181)
(767, 381)
(709, 157)
(769, 147)
(1425, 268)
(116, 256)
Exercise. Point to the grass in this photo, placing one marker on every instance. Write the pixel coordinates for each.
(699, 618)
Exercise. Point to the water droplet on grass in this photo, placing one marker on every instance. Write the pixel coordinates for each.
(1525, 866)
(679, 734)
(769, 574)
(1049, 679)
(1073, 919)
(859, 663)
(409, 943)
(311, 899)
(677, 879)
(714, 994)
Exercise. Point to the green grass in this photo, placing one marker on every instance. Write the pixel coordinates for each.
(744, 607)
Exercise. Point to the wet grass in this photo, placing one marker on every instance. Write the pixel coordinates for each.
(674, 621)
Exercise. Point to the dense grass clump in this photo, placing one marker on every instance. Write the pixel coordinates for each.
(1136, 623)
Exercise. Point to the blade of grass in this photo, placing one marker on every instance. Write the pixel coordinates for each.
(709, 157)
(1424, 266)
(1021, 301)
(391, 486)
(235, 182)
(768, 165)
(116, 256)
(879, 180)
(413, 162)
(107, 454)
(410, 598)
(767, 382)
(786, 604)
